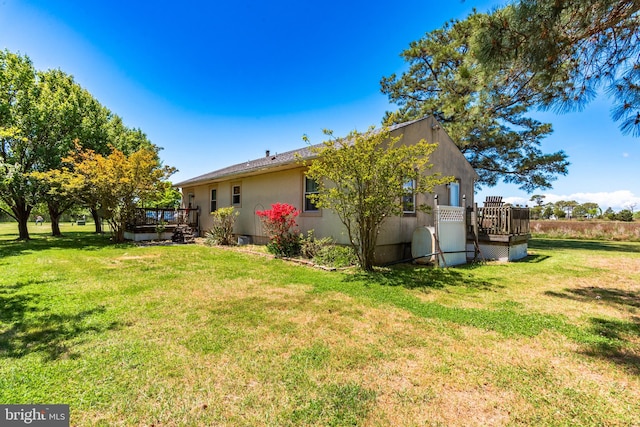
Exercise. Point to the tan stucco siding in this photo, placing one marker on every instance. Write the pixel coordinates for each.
(260, 189)
(259, 193)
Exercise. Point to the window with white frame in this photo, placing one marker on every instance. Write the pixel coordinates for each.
(311, 187)
(454, 193)
(214, 199)
(236, 191)
(409, 198)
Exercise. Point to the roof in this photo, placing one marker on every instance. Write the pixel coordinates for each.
(264, 163)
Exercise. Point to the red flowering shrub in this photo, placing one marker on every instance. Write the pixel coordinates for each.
(280, 225)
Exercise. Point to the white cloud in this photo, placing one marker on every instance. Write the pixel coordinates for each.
(617, 200)
(625, 155)
(522, 201)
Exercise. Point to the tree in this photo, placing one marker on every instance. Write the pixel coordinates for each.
(539, 199)
(609, 214)
(580, 211)
(362, 178)
(119, 183)
(482, 110)
(593, 209)
(168, 197)
(101, 132)
(625, 215)
(58, 115)
(535, 212)
(547, 212)
(572, 49)
(18, 150)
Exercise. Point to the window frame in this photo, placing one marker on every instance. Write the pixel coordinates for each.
(409, 198)
(238, 195)
(213, 199)
(305, 193)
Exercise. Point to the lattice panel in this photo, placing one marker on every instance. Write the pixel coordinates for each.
(498, 252)
(503, 252)
(450, 214)
(450, 230)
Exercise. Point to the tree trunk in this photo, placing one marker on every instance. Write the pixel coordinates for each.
(96, 220)
(118, 234)
(55, 214)
(22, 211)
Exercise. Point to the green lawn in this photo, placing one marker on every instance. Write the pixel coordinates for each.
(193, 335)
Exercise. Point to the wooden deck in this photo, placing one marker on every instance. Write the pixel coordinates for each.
(498, 232)
(498, 221)
(149, 220)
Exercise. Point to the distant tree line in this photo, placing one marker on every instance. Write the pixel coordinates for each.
(570, 209)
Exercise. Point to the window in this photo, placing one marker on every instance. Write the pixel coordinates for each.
(409, 199)
(310, 187)
(454, 193)
(214, 200)
(235, 195)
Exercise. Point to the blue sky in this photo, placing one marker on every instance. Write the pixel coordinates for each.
(218, 83)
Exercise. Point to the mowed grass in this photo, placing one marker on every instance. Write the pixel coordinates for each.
(191, 335)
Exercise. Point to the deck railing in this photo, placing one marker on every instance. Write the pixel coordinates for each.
(499, 220)
(151, 217)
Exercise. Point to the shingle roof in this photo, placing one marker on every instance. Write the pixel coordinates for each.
(263, 163)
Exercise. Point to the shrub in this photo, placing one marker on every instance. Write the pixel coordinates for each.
(625, 215)
(336, 256)
(222, 231)
(280, 226)
(310, 246)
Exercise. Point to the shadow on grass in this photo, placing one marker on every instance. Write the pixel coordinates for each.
(590, 245)
(421, 277)
(610, 296)
(614, 337)
(71, 240)
(612, 340)
(532, 259)
(617, 348)
(26, 327)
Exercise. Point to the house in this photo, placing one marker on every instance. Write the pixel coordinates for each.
(280, 178)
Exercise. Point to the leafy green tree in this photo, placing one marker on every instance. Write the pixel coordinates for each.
(609, 214)
(167, 197)
(362, 178)
(483, 111)
(538, 199)
(580, 211)
(19, 153)
(559, 213)
(593, 209)
(567, 206)
(547, 212)
(571, 49)
(120, 183)
(625, 215)
(101, 132)
(57, 122)
(535, 212)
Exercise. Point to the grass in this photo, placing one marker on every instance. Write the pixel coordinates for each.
(192, 335)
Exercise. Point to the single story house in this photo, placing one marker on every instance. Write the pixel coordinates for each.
(280, 178)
